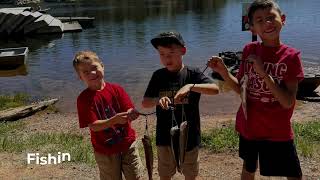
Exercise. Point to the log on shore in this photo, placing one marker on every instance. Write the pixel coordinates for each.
(13, 114)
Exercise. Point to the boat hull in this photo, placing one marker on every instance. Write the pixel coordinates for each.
(13, 57)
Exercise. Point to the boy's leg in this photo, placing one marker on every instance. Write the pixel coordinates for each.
(248, 151)
(246, 175)
(279, 159)
(109, 166)
(131, 163)
(190, 167)
(166, 162)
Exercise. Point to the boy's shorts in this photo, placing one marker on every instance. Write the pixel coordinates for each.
(167, 165)
(275, 158)
(128, 163)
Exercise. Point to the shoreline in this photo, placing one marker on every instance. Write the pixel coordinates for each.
(68, 121)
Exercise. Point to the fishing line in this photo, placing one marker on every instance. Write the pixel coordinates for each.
(146, 126)
(202, 73)
(146, 114)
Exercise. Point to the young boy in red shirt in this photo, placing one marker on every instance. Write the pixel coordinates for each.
(267, 82)
(108, 111)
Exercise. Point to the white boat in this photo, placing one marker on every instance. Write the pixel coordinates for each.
(11, 58)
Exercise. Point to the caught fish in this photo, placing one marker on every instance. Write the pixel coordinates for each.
(175, 133)
(147, 146)
(243, 95)
(183, 141)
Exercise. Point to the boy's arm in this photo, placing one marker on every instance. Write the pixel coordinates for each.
(199, 84)
(125, 103)
(216, 63)
(210, 89)
(231, 82)
(163, 102)
(99, 125)
(285, 94)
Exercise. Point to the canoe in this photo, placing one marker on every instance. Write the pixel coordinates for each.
(10, 58)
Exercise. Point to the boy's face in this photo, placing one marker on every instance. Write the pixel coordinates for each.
(91, 73)
(171, 57)
(267, 24)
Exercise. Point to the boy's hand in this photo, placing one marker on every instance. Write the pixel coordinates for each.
(132, 114)
(181, 94)
(216, 64)
(120, 118)
(257, 65)
(164, 102)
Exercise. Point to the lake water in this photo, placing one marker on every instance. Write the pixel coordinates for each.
(121, 37)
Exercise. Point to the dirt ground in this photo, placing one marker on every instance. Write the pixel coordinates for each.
(221, 166)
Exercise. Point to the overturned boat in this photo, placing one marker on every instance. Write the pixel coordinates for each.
(24, 21)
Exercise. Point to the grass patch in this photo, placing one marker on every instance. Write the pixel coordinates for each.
(8, 127)
(307, 139)
(79, 148)
(19, 99)
(221, 139)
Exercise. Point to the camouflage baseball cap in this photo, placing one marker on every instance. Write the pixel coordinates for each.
(167, 38)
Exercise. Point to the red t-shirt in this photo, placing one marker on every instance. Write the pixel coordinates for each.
(104, 104)
(267, 119)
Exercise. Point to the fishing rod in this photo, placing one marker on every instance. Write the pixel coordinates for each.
(202, 73)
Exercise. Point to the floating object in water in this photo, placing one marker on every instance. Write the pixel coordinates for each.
(11, 58)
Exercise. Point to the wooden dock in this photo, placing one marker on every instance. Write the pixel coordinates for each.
(72, 26)
(83, 21)
(22, 21)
